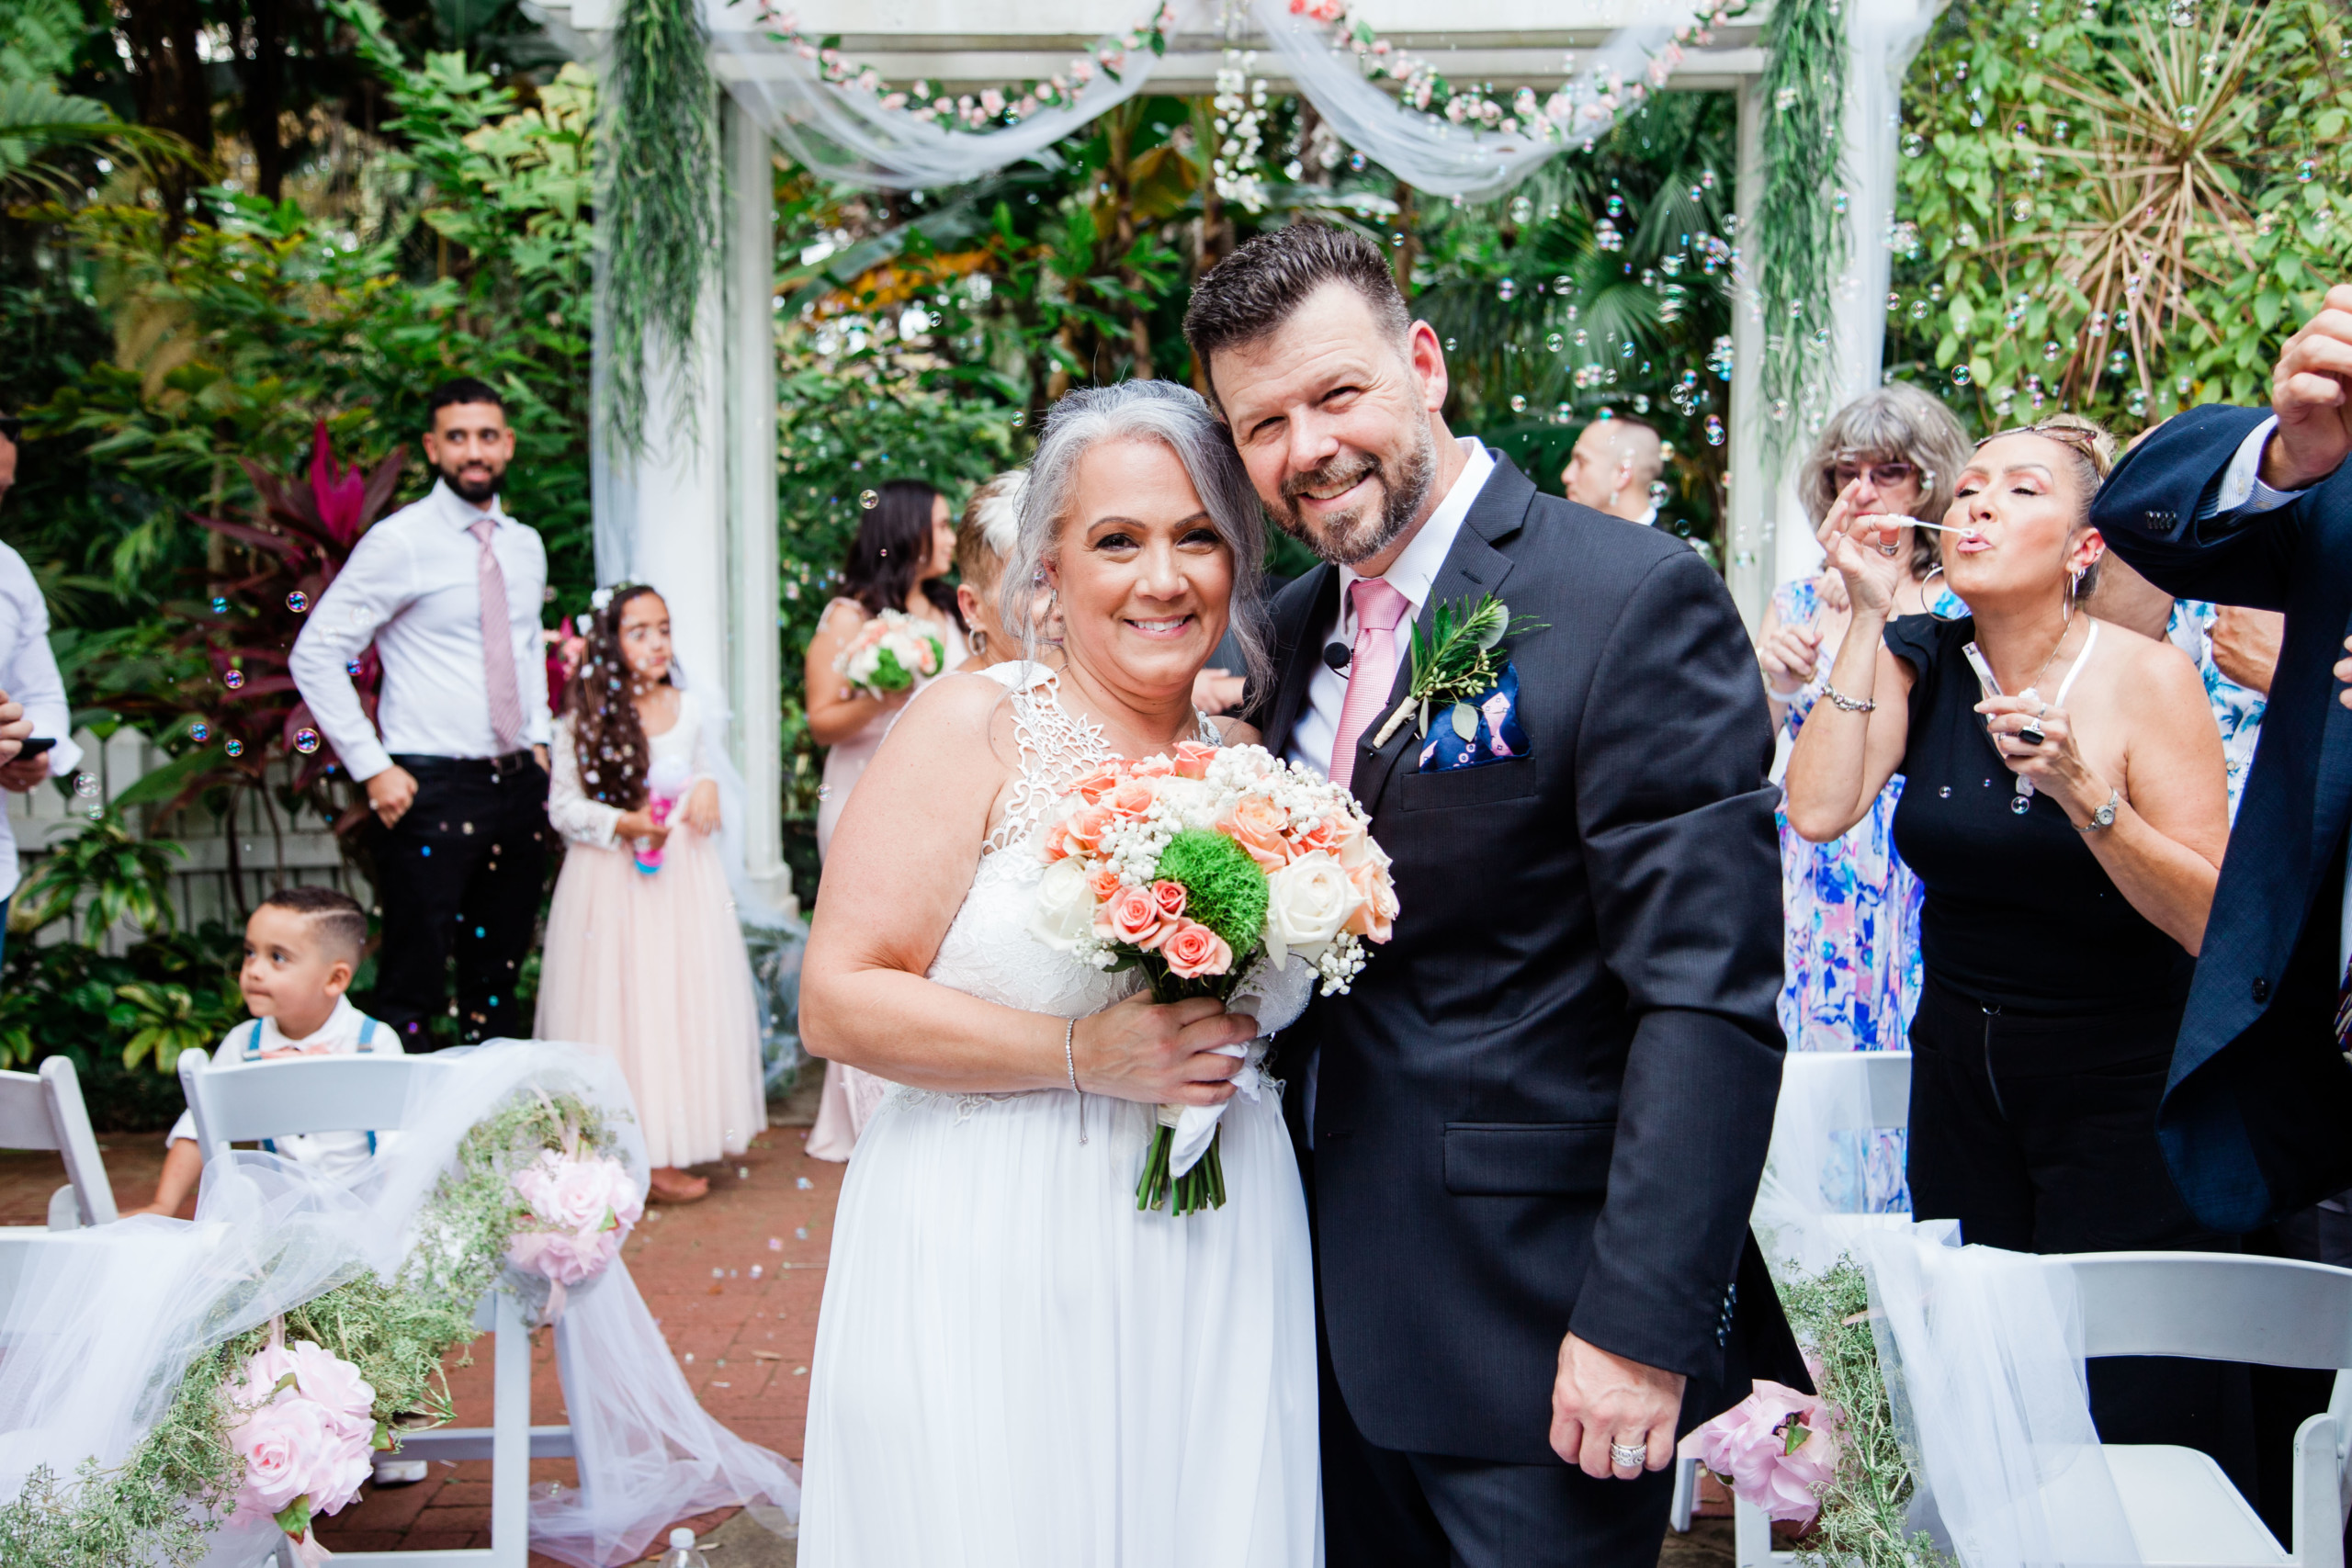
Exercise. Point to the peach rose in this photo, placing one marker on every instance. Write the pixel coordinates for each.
(1132, 799)
(1257, 824)
(1193, 758)
(1374, 918)
(1103, 883)
(1171, 898)
(1085, 827)
(1096, 785)
(1130, 914)
(1321, 838)
(1193, 950)
(1151, 768)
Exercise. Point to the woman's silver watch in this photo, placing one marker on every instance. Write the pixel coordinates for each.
(2105, 816)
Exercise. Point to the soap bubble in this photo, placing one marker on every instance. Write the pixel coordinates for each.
(1616, 205)
(1020, 418)
(2049, 352)
(868, 500)
(219, 606)
(1356, 162)
(306, 741)
(1914, 144)
(1714, 430)
(1659, 493)
(1507, 290)
(351, 668)
(2021, 208)
(1522, 211)
(1960, 375)
(199, 732)
(2306, 171)
(235, 748)
(1555, 343)
(1919, 310)
(234, 678)
(85, 786)
(298, 601)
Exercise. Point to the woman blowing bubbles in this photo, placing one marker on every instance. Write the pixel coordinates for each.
(2068, 834)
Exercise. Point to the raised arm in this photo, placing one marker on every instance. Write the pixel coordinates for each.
(1853, 740)
(901, 867)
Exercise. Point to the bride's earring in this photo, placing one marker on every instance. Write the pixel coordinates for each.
(977, 640)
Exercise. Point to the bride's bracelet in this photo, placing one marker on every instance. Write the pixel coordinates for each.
(1069, 1060)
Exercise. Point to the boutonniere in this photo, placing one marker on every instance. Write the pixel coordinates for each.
(1460, 658)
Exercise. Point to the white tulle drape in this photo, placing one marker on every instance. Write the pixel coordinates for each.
(104, 1321)
(844, 132)
(1980, 1349)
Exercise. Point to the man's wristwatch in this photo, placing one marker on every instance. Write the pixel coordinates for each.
(2105, 816)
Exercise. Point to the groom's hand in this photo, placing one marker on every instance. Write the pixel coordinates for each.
(2310, 392)
(1160, 1054)
(1600, 1399)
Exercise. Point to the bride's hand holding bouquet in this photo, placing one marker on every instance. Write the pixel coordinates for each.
(1209, 870)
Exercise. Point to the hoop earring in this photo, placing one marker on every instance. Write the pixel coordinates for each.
(977, 640)
(2074, 589)
(1934, 572)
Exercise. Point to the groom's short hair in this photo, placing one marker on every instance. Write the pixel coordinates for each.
(1253, 291)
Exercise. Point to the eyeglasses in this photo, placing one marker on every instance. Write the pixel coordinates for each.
(1882, 476)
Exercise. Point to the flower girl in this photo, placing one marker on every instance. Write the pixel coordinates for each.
(644, 958)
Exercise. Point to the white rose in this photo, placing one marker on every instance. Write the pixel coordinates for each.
(1306, 903)
(1065, 913)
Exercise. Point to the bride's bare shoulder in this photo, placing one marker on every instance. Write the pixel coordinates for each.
(1233, 732)
(957, 717)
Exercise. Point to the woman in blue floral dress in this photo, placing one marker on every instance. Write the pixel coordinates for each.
(1851, 907)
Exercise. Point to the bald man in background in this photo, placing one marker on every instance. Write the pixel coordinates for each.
(1612, 465)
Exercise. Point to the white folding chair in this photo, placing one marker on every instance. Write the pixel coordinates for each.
(1879, 1100)
(43, 1109)
(2221, 1306)
(332, 1094)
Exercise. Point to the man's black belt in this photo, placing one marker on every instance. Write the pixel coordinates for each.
(463, 767)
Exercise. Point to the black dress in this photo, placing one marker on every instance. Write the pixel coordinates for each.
(2042, 1040)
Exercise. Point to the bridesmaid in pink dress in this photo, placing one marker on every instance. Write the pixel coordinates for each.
(649, 967)
(899, 560)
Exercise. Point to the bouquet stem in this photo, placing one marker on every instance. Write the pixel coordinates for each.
(1201, 1188)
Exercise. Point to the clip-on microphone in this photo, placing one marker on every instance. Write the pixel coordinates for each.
(1337, 656)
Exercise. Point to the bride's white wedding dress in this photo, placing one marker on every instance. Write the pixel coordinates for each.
(1015, 1368)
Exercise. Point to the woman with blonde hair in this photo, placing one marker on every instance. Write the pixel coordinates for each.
(1851, 907)
(2066, 813)
(983, 541)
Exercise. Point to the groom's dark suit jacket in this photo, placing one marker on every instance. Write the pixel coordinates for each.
(2255, 1114)
(1545, 1104)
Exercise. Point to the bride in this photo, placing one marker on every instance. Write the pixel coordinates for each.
(1014, 1367)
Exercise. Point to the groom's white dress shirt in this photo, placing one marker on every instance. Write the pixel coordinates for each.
(28, 674)
(413, 586)
(1411, 574)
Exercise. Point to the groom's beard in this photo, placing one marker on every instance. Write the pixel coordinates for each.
(1349, 537)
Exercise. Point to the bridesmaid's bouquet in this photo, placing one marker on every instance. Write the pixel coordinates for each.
(889, 653)
(1206, 869)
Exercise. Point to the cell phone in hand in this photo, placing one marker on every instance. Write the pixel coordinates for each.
(34, 744)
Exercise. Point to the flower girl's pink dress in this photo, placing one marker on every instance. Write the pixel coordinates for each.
(650, 968)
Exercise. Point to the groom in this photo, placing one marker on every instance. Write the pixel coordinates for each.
(1538, 1119)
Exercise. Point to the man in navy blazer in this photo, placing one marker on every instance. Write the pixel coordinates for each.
(2243, 507)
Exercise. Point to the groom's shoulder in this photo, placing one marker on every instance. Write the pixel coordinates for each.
(1598, 553)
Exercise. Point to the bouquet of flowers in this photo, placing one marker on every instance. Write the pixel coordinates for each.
(889, 651)
(581, 1207)
(307, 1432)
(1203, 868)
(1778, 1448)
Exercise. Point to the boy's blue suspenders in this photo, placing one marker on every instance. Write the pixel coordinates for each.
(366, 1043)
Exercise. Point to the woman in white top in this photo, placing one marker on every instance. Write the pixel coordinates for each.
(644, 957)
(900, 561)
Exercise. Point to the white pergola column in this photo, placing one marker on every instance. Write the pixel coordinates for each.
(1748, 561)
(753, 661)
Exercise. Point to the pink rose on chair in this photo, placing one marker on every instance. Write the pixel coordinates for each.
(335, 1386)
(582, 1209)
(305, 1431)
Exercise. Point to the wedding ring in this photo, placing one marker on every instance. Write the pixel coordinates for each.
(1629, 1456)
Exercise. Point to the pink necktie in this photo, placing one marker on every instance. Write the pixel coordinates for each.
(497, 642)
(1372, 668)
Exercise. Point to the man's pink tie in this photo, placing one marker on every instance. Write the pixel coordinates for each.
(497, 642)
(1378, 609)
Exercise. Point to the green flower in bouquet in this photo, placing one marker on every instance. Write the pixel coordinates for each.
(1223, 889)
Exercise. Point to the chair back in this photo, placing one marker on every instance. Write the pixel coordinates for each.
(2219, 1306)
(1872, 1091)
(43, 1109)
(295, 1095)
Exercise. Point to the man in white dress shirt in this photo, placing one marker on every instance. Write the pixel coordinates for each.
(28, 674)
(1612, 465)
(455, 765)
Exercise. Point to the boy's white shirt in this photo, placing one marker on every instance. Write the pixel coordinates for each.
(339, 1157)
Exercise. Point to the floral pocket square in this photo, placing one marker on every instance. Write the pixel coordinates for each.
(1473, 734)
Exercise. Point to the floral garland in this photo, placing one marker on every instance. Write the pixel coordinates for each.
(1559, 118)
(285, 1419)
(991, 108)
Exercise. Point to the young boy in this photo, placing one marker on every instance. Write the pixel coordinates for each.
(302, 946)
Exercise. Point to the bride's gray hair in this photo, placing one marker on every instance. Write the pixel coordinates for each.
(1178, 419)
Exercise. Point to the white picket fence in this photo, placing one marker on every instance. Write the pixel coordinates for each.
(270, 856)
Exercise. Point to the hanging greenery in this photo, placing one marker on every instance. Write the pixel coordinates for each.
(1794, 252)
(657, 202)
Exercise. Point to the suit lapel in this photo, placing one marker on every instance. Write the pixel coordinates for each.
(1472, 567)
(1306, 653)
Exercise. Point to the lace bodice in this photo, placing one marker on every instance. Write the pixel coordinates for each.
(989, 950)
